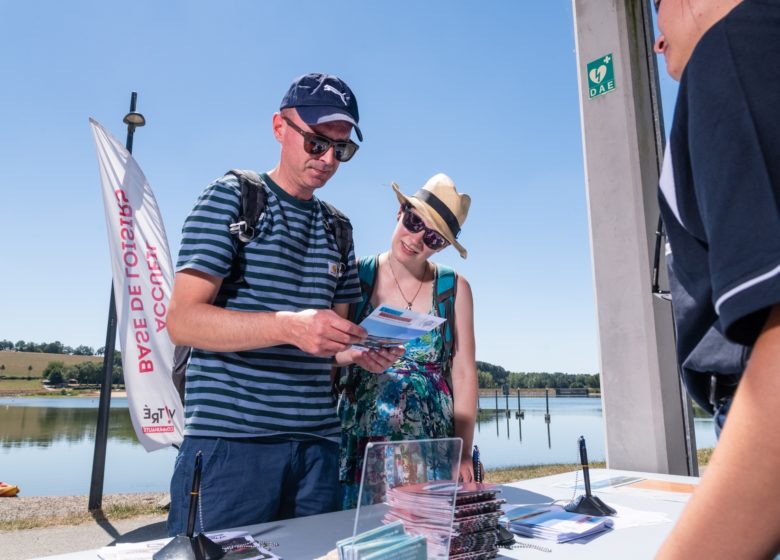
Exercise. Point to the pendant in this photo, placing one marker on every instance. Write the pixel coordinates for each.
(408, 305)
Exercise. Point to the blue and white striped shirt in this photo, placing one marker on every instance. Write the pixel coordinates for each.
(289, 266)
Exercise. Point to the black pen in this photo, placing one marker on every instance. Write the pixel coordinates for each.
(584, 461)
(194, 494)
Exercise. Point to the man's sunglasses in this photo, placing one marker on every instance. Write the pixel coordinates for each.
(414, 223)
(315, 144)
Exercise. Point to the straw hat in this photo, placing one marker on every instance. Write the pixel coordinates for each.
(441, 206)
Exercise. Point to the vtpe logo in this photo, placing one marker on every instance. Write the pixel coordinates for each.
(601, 76)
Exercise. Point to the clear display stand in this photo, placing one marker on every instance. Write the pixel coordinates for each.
(412, 481)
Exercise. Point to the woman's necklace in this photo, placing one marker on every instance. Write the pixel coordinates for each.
(409, 302)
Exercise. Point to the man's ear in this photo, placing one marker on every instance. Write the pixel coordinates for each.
(277, 123)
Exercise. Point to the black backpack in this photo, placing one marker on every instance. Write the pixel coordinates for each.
(253, 201)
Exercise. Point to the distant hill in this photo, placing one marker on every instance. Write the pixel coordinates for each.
(17, 364)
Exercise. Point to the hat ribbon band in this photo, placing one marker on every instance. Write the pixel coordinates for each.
(442, 209)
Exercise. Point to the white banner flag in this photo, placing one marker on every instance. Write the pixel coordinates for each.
(143, 278)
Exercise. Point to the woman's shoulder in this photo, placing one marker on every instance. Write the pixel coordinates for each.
(443, 269)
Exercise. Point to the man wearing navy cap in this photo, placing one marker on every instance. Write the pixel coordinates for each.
(265, 316)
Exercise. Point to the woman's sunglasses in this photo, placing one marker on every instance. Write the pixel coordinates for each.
(315, 144)
(414, 223)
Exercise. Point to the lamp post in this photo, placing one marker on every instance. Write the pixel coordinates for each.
(132, 120)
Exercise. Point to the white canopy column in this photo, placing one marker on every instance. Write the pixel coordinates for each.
(645, 411)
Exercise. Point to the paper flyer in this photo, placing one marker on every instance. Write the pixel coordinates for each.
(388, 326)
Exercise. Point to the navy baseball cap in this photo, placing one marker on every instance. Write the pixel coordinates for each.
(323, 98)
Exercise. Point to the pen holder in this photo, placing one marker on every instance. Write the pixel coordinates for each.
(589, 505)
(183, 547)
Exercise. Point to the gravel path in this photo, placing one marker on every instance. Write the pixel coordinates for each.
(48, 541)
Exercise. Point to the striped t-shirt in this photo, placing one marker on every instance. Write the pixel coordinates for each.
(290, 265)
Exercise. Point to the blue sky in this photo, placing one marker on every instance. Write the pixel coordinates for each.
(485, 92)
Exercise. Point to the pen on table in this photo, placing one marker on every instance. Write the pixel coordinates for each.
(194, 494)
(584, 461)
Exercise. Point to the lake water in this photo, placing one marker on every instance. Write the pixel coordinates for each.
(47, 444)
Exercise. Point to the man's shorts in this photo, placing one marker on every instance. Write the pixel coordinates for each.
(248, 481)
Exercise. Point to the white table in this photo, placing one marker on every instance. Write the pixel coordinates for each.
(314, 536)
(632, 542)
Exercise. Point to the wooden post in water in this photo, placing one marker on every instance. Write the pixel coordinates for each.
(547, 405)
(547, 415)
(496, 411)
(519, 413)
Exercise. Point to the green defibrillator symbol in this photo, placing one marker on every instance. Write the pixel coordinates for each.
(601, 76)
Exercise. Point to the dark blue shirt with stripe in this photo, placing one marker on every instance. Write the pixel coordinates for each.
(292, 264)
(720, 187)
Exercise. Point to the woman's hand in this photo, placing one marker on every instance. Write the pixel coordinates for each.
(466, 470)
(375, 360)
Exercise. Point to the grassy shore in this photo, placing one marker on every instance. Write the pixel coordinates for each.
(34, 512)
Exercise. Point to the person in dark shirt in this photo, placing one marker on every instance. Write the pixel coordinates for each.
(720, 201)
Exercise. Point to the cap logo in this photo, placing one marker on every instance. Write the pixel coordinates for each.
(341, 95)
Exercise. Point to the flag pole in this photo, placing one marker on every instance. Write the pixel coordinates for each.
(132, 120)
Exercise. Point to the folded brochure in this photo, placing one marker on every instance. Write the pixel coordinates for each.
(384, 542)
(552, 522)
(388, 326)
(237, 545)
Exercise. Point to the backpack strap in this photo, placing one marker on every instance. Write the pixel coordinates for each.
(446, 283)
(253, 201)
(339, 226)
(347, 379)
(367, 269)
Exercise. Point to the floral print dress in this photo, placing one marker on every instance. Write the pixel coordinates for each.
(410, 400)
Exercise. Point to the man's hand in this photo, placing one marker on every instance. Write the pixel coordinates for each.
(375, 360)
(322, 332)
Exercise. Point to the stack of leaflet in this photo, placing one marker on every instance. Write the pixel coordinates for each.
(475, 524)
(552, 522)
(383, 543)
(424, 509)
(469, 531)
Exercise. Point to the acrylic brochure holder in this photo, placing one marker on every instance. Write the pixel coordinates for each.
(412, 481)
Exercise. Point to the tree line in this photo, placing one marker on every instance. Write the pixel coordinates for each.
(491, 376)
(55, 347)
(86, 373)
